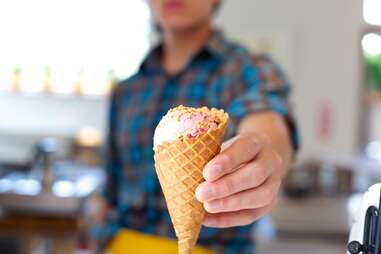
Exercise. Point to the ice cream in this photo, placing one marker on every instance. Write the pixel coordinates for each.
(185, 140)
(184, 122)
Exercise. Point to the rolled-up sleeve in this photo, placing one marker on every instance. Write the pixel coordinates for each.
(265, 88)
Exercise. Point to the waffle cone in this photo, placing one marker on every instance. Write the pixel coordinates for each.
(179, 166)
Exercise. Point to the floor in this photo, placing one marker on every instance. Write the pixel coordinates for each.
(298, 246)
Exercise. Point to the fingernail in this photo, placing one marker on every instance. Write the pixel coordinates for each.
(204, 193)
(213, 205)
(213, 172)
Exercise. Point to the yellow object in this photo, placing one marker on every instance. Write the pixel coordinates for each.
(131, 242)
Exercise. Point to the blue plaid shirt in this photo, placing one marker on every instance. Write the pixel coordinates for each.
(222, 75)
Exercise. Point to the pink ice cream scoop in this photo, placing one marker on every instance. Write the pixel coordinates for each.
(183, 122)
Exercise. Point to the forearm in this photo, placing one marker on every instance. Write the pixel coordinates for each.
(273, 128)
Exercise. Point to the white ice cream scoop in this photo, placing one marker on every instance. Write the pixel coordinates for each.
(184, 121)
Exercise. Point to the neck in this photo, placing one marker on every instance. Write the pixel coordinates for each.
(179, 47)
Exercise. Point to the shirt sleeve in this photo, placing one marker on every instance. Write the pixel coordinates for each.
(112, 164)
(103, 231)
(264, 88)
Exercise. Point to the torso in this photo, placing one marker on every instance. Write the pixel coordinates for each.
(144, 99)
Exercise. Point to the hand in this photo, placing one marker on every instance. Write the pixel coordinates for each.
(242, 182)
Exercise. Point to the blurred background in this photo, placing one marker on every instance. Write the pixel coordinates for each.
(60, 59)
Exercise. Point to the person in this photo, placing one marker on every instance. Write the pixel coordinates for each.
(194, 65)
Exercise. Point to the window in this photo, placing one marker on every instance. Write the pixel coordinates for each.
(371, 44)
(71, 46)
(372, 11)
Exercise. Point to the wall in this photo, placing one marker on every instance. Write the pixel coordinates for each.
(322, 44)
(24, 119)
(52, 115)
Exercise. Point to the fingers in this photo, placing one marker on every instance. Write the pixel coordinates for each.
(228, 143)
(249, 199)
(239, 218)
(249, 176)
(241, 150)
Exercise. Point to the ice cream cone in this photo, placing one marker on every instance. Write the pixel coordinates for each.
(179, 165)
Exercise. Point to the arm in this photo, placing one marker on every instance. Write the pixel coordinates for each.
(243, 181)
(251, 168)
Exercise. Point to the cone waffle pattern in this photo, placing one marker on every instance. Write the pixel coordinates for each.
(179, 166)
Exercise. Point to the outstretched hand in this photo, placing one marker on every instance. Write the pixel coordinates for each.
(242, 182)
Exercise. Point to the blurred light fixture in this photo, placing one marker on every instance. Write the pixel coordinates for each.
(30, 187)
(6, 185)
(64, 79)
(63, 189)
(5, 78)
(32, 79)
(89, 137)
(95, 81)
(371, 12)
(371, 43)
(373, 150)
(85, 185)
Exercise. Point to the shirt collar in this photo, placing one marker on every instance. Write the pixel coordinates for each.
(215, 46)
(152, 62)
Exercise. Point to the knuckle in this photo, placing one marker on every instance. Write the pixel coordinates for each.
(251, 201)
(248, 179)
(226, 159)
(259, 174)
(253, 142)
(225, 204)
(247, 145)
(230, 204)
(254, 138)
(260, 171)
(229, 186)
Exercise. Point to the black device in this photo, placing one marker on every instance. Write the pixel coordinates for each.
(372, 233)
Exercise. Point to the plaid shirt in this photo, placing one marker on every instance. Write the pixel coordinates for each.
(222, 75)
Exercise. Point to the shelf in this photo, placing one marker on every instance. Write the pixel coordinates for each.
(54, 96)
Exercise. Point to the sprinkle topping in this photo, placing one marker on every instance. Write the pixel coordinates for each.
(183, 122)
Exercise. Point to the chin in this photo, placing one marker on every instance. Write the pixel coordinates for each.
(176, 28)
(177, 25)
